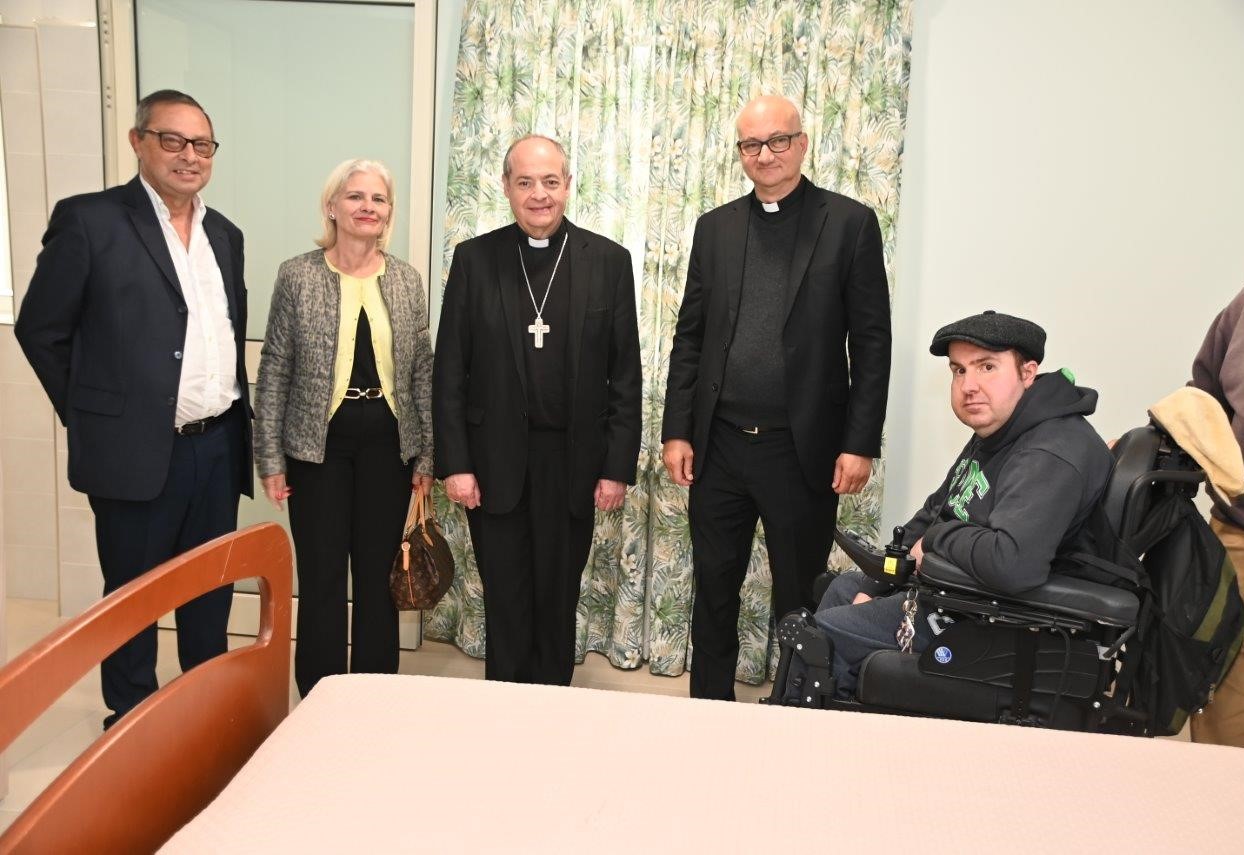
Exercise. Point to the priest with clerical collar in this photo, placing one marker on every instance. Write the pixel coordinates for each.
(765, 416)
(536, 408)
(545, 297)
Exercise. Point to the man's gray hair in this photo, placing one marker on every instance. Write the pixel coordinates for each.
(506, 166)
(142, 116)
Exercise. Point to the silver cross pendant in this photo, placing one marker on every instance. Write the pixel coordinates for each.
(538, 330)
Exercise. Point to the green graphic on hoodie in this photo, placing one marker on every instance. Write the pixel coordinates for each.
(968, 482)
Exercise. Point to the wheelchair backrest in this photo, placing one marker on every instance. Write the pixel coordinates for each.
(1135, 455)
(1149, 465)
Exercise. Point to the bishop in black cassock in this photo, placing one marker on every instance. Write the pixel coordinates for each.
(536, 408)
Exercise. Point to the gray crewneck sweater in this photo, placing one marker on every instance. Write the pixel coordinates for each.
(753, 393)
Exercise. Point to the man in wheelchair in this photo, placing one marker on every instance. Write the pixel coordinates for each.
(1014, 500)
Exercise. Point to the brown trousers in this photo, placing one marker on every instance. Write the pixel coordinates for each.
(1222, 723)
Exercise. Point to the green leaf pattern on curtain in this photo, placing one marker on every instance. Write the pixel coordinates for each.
(643, 94)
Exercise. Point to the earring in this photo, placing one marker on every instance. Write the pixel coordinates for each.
(332, 216)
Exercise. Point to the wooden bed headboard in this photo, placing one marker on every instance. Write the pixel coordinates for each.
(171, 755)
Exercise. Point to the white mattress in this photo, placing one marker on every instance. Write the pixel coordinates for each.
(371, 763)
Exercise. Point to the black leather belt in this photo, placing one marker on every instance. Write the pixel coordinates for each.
(753, 430)
(201, 426)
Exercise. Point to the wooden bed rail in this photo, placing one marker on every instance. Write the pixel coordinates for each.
(172, 754)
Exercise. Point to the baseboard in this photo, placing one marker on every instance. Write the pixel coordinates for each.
(244, 620)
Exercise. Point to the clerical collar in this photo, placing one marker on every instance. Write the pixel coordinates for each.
(543, 243)
(787, 202)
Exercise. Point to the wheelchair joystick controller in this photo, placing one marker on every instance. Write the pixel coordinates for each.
(898, 564)
(891, 564)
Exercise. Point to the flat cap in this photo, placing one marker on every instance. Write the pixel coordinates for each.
(992, 331)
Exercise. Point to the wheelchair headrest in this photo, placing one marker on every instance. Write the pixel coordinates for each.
(1135, 453)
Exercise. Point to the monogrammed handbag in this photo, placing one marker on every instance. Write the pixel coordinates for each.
(424, 567)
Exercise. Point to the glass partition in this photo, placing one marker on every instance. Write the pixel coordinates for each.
(293, 88)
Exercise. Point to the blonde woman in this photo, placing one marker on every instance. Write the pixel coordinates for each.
(343, 426)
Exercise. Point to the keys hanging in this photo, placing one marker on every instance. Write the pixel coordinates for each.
(907, 626)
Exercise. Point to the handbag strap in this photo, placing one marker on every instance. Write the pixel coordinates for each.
(417, 512)
(422, 501)
(414, 512)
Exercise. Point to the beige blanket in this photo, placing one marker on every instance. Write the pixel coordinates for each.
(431, 764)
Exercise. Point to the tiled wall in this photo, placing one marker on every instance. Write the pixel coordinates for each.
(50, 94)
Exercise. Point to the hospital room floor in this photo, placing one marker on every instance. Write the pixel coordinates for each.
(73, 722)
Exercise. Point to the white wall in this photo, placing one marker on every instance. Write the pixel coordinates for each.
(1076, 162)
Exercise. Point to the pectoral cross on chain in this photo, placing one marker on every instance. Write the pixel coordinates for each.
(537, 330)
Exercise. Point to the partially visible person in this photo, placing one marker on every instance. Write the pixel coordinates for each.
(1016, 497)
(135, 323)
(1219, 370)
(537, 408)
(777, 385)
(343, 421)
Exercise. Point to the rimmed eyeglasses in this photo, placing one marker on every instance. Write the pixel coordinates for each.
(777, 144)
(172, 142)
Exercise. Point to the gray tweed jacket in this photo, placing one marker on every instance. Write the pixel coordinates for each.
(292, 397)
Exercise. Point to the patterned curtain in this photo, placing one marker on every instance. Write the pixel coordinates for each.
(643, 94)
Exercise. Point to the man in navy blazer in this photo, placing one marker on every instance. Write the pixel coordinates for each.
(135, 323)
(765, 414)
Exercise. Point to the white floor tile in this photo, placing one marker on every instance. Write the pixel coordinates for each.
(28, 621)
(7, 817)
(29, 777)
(48, 727)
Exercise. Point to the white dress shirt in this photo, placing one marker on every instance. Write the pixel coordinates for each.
(209, 383)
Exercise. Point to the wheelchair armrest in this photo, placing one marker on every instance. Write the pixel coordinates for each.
(890, 566)
(1063, 595)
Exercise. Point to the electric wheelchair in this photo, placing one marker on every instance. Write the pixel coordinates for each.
(1049, 657)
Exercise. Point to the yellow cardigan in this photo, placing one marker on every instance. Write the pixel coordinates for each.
(358, 294)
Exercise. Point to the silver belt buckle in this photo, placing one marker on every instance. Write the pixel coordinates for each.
(751, 430)
(353, 393)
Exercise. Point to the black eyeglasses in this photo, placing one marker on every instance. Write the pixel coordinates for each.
(777, 144)
(170, 141)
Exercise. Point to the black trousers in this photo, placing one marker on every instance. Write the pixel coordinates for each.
(346, 515)
(199, 502)
(744, 478)
(531, 563)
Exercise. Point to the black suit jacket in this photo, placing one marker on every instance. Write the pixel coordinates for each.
(104, 324)
(479, 382)
(837, 303)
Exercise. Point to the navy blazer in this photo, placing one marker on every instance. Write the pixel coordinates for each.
(479, 375)
(837, 303)
(104, 326)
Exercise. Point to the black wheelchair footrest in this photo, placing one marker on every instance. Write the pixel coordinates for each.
(805, 673)
(797, 632)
